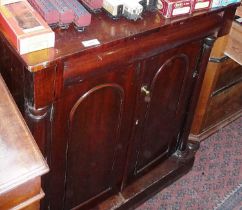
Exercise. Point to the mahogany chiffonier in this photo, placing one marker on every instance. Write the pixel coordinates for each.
(113, 119)
(220, 100)
(21, 162)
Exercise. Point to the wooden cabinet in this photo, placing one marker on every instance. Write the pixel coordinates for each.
(220, 101)
(96, 146)
(113, 120)
(21, 163)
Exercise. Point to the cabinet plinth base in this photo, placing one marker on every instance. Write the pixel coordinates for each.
(213, 129)
(148, 185)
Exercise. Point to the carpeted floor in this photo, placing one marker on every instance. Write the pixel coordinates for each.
(215, 182)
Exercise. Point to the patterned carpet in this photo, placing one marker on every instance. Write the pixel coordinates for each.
(215, 181)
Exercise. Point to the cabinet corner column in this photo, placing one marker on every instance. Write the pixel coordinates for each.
(39, 94)
(184, 146)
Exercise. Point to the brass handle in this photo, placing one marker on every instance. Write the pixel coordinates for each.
(145, 90)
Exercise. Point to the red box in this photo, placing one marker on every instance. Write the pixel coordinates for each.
(173, 8)
(24, 27)
(200, 5)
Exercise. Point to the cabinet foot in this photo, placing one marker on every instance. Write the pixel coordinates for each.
(188, 153)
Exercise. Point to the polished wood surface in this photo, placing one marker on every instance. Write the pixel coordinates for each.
(99, 119)
(234, 45)
(220, 100)
(114, 119)
(110, 32)
(230, 74)
(231, 101)
(168, 78)
(21, 163)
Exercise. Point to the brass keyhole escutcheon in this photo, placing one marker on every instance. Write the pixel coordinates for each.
(146, 92)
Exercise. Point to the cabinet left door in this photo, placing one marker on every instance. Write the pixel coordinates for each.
(92, 124)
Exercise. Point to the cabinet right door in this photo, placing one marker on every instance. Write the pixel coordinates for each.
(166, 88)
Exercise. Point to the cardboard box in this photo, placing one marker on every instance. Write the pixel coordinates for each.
(216, 3)
(173, 8)
(227, 2)
(24, 28)
(200, 5)
(223, 3)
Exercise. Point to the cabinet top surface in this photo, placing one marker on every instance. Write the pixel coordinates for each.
(20, 158)
(107, 31)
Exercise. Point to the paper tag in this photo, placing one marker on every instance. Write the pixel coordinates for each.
(201, 5)
(90, 42)
(182, 10)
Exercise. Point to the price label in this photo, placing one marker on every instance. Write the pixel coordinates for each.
(90, 43)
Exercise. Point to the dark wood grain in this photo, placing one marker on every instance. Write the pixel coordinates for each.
(168, 78)
(101, 141)
(231, 101)
(230, 74)
(104, 113)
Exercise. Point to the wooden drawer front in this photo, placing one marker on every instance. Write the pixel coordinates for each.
(223, 105)
(19, 195)
(229, 74)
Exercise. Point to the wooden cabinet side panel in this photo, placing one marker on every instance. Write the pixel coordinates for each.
(209, 82)
(204, 98)
(223, 105)
(218, 77)
(230, 74)
(12, 71)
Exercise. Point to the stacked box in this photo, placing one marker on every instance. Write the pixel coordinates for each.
(173, 8)
(200, 5)
(82, 17)
(216, 3)
(93, 5)
(24, 28)
(46, 9)
(66, 15)
(223, 3)
(227, 2)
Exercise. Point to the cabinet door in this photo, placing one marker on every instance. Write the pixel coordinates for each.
(98, 118)
(165, 93)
